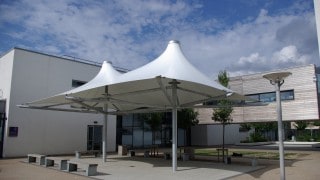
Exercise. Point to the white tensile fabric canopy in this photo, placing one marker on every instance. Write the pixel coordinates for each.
(106, 75)
(122, 92)
(168, 82)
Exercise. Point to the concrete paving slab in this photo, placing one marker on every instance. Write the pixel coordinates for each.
(158, 168)
(125, 168)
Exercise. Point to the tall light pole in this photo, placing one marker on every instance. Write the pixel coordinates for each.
(277, 79)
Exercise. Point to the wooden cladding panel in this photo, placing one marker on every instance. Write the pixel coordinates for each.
(303, 107)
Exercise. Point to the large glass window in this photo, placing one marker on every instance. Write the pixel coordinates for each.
(134, 132)
(287, 95)
(271, 96)
(77, 83)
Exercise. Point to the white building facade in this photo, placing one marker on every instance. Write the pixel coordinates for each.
(27, 76)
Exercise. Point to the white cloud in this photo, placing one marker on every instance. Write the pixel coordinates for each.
(291, 55)
(285, 57)
(131, 33)
(249, 47)
(125, 32)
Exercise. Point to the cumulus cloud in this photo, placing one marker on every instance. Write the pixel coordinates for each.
(132, 33)
(129, 33)
(275, 42)
(286, 57)
(289, 55)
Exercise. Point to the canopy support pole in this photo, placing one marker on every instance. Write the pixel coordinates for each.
(174, 125)
(104, 135)
(104, 130)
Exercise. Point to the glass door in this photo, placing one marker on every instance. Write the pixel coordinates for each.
(94, 138)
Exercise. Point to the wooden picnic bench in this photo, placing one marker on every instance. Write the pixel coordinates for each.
(36, 158)
(62, 162)
(90, 169)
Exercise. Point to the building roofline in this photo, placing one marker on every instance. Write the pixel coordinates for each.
(273, 70)
(65, 57)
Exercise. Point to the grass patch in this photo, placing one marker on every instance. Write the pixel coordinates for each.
(257, 154)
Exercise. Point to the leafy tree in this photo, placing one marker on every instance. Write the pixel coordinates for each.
(245, 127)
(186, 119)
(264, 126)
(316, 123)
(154, 120)
(300, 125)
(224, 110)
(260, 128)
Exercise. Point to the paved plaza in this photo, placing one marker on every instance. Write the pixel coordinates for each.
(117, 167)
(123, 168)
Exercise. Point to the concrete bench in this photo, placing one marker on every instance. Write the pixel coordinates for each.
(167, 155)
(190, 151)
(90, 169)
(62, 163)
(90, 152)
(252, 160)
(36, 158)
(146, 153)
(132, 153)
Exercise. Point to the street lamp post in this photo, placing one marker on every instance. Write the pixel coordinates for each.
(277, 79)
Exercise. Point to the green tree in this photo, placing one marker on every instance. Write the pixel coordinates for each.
(154, 120)
(245, 127)
(301, 134)
(300, 125)
(224, 109)
(186, 119)
(260, 129)
(316, 123)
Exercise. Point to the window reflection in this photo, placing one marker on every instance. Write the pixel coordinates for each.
(271, 96)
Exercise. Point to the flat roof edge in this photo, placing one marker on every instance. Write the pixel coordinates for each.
(64, 57)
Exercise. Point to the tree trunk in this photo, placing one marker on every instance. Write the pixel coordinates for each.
(223, 125)
(153, 143)
(185, 138)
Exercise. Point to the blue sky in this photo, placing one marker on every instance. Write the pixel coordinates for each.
(241, 36)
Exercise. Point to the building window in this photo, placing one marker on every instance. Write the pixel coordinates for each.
(77, 83)
(132, 131)
(271, 96)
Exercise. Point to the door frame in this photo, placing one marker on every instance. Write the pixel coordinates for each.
(3, 119)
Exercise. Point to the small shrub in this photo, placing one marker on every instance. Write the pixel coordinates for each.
(257, 137)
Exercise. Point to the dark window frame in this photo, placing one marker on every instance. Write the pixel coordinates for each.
(269, 97)
(77, 83)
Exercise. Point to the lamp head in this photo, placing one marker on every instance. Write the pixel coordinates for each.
(276, 77)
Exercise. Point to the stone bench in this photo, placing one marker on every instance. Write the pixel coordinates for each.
(90, 152)
(146, 153)
(167, 155)
(90, 169)
(62, 163)
(132, 153)
(36, 158)
(252, 160)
